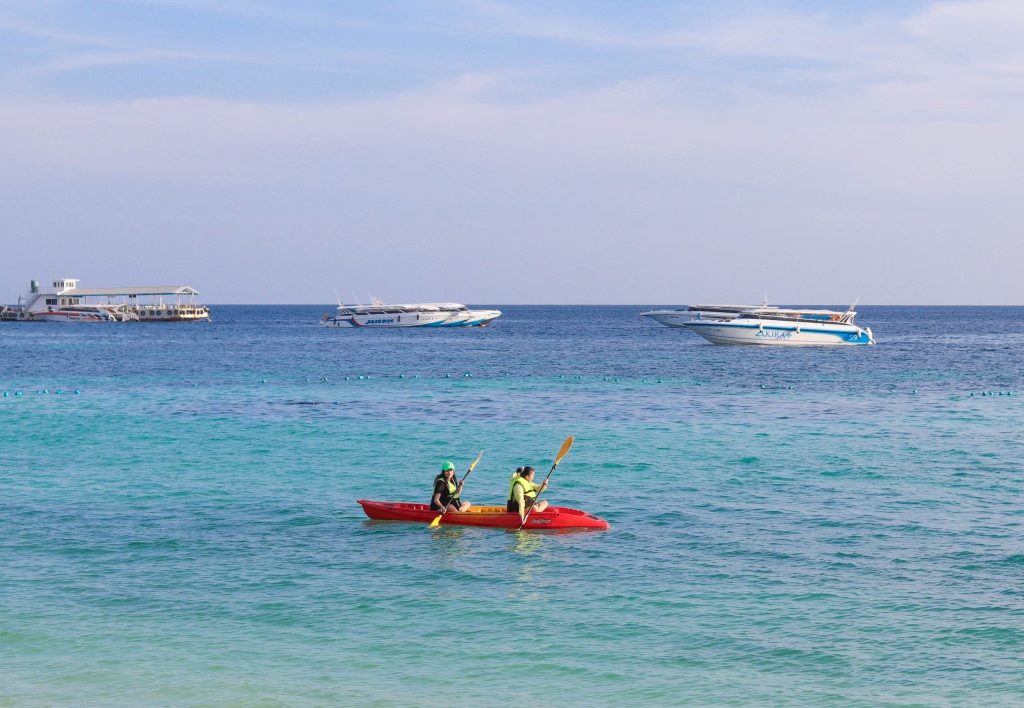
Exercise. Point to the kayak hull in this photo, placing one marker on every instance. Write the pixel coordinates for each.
(554, 517)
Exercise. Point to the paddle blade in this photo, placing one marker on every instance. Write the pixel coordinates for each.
(436, 522)
(475, 462)
(564, 450)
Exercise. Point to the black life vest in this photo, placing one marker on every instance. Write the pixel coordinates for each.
(447, 489)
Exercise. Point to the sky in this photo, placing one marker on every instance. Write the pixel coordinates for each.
(516, 152)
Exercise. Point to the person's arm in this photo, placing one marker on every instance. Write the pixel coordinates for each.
(520, 497)
(437, 495)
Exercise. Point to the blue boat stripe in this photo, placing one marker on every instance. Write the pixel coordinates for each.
(852, 337)
(781, 329)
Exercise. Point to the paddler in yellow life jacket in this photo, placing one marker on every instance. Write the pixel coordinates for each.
(522, 493)
(446, 491)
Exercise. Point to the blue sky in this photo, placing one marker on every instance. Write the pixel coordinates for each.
(603, 152)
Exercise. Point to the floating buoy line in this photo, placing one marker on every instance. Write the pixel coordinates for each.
(565, 378)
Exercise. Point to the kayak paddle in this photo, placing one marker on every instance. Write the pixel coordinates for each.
(437, 520)
(562, 452)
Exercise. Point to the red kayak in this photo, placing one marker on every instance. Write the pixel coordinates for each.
(554, 517)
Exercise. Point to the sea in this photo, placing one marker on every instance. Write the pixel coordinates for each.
(789, 526)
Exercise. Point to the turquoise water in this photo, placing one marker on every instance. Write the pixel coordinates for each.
(822, 526)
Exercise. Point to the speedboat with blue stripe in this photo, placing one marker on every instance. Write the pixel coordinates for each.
(379, 314)
(778, 326)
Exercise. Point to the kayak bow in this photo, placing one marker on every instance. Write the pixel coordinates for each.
(554, 517)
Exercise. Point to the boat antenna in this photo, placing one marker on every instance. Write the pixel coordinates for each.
(848, 317)
(338, 298)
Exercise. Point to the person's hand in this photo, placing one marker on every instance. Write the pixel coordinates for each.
(544, 484)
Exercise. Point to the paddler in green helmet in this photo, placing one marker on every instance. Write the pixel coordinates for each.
(522, 492)
(446, 491)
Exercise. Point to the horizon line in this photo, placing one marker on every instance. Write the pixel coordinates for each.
(614, 304)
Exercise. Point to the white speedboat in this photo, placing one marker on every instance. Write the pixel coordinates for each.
(465, 317)
(779, 326)
(379, 314)
(83, 313)
(678, 317)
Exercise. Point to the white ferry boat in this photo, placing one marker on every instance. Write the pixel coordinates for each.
(779, 326)
(66, 302)
(678, 317)
(379, 314)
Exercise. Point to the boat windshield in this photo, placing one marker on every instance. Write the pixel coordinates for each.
(811, 315)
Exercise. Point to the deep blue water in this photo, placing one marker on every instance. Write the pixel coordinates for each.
(814, 526)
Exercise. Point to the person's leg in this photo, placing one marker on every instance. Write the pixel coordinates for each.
(465, 506)
(540, 506)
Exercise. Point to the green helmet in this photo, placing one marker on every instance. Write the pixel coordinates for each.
(447, 466)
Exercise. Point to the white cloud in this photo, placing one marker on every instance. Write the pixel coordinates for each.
(51, 33)
(503, 18)
(979, 28)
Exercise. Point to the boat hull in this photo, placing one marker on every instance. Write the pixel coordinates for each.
(390, 320)
(72, 317)
(554, 517)
(781, 334)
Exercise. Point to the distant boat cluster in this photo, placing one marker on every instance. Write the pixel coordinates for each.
(65, 301)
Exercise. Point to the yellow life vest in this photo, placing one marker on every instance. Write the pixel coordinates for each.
(529, 488)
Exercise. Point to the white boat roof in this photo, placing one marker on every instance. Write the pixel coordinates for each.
(716, 308)
(146, 290)
(416, 307)
(786, 311)
(731, 307)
